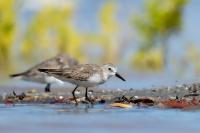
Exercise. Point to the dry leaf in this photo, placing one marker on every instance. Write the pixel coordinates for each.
(121, 105)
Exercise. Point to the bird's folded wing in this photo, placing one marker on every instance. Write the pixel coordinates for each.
(76, 73)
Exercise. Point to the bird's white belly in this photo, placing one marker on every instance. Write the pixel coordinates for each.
(84, 83)
(36, 78)
(43, 78)
(51, 79)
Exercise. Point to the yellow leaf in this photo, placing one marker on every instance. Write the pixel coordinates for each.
(121, 105)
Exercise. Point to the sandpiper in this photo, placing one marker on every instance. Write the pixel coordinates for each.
(85, 75)
(60, 61)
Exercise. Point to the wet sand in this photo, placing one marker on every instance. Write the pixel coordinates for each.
(98, 95)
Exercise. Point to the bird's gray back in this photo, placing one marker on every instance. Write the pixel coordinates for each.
(79, 72)
(58, 62)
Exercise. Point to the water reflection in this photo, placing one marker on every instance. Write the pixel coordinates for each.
(53, 118)
(81, 109)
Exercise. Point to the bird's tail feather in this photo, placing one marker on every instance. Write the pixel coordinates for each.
(17, 75)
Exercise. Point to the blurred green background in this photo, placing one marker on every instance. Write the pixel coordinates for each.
(147, 36)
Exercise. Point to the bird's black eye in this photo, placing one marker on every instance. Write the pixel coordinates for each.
(109, 69)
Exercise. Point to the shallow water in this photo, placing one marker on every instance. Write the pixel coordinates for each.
(99, 118)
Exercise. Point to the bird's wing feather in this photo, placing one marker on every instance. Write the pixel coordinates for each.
(79, 72)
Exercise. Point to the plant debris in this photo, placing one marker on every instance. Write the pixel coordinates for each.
(179, 97)
(180, 103)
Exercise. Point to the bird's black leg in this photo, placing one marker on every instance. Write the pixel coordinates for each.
(47, 88)
(73, 93)
(86, 96)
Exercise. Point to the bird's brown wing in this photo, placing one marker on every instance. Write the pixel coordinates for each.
(79, 72)
(60, 61)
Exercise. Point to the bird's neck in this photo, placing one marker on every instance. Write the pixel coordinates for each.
(106, 76)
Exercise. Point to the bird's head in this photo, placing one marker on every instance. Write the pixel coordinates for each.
(110, 70)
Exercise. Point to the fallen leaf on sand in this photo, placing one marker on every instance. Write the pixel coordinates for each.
(147, 101)
(180, 104)
(121, 105)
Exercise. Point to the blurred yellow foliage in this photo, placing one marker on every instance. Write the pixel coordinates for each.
(7, 30)
(51, 30)
(107, 14)
(160, 20)
(148, 60)
(192, 57)
(108, 36)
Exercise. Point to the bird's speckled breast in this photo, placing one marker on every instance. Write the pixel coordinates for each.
(95, 78)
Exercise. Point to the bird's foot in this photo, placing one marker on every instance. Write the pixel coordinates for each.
(89, 100)
(47, 88)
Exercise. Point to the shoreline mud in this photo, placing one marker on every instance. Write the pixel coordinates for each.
(179, 96)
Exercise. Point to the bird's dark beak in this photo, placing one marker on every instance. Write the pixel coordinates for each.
(119, 76)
